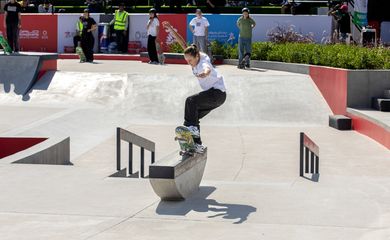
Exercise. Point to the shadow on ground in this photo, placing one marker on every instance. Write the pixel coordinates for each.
(199, 203)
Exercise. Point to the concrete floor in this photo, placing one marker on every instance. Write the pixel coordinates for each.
(250, 190)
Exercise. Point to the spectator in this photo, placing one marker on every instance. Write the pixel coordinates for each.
(46, 7)
(334, 12)
(199, 26)
(121, 24)
(245, 23)
(153, 29)
(173, 3)
(79, 30)
(344, 23)
(12, 23)
(191, 3)
(87, 39)
(93, 6)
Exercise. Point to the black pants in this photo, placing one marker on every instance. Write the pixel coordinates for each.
(87, 43)
(199, 105)
(152, 49)
(13, 36)
(121, 41)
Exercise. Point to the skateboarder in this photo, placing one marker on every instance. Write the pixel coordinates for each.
(214, 92)
(87, 39)
(245, 23)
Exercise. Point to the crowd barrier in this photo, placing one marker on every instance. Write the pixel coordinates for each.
(55, 32)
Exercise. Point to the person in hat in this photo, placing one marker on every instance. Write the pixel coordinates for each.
(245, 23)
(153, 28)
(121, 24)
(87, 39)
(199, 26)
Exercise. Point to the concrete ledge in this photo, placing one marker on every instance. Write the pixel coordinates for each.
(176, 177)
(52, 151)
(340, 122)
(278, 66)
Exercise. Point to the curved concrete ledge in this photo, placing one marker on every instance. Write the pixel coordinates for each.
(53, 151)
(175, 178)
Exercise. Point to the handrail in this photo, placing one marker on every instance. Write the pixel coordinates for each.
(131, 138)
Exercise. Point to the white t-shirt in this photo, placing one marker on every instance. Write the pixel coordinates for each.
(199, 25)
(152, 28)
(214, 80)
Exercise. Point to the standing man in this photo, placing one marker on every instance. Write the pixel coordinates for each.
(121, 24)
(13, 22)
(245, 23)
(87, 40)
(199, 26)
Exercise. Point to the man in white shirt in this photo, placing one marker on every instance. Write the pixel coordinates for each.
(199, 26)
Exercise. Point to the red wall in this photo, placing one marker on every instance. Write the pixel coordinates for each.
(9, 146)
(38, 33)
(371, 129)
(332, 83)
(179, 21)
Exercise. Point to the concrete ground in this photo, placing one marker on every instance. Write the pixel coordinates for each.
(250, 190)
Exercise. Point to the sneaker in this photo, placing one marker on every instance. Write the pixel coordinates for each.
(199, 148)
(194, 131)
(247, 66)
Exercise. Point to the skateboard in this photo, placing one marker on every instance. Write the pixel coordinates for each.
(245, 61)
(186, 142)
(160, 53)
(4, 44)
(81, 54)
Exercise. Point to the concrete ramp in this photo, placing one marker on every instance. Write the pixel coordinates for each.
(175, 178)
(20, 72)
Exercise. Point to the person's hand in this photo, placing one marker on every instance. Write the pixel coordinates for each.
(202, 75)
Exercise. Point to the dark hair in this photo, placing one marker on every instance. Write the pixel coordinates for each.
(192, 50)
(154, 11)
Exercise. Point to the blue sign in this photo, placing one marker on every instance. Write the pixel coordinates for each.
(223, 28)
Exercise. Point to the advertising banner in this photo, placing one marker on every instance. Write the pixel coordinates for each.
(318, 26)
(223, 28)
(67, 30)
(137, 31)
(359, 14)
(178, 21)
(38, 33)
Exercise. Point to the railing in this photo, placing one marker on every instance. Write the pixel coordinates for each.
(133, 139)
(308, 148)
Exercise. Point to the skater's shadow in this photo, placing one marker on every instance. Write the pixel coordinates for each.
(199, 203)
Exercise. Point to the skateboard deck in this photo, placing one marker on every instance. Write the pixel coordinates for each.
(186, 142)
(160, 53)
(81, 54)
(245, 61)
(4, 44)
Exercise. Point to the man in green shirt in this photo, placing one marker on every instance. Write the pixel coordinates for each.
(245, 23)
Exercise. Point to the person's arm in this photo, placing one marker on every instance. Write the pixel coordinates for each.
(206, 71)
(5, 17)
(93, 27)
(206, 32)
(157, 31)
(253, 23)
(177, 36)
(20, 20)
(238, 23)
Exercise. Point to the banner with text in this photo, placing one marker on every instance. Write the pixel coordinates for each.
(38, 32)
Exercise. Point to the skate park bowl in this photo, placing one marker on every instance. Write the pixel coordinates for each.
(35, 150)
(176, 177)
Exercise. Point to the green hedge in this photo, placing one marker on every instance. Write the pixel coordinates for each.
(337, 55)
